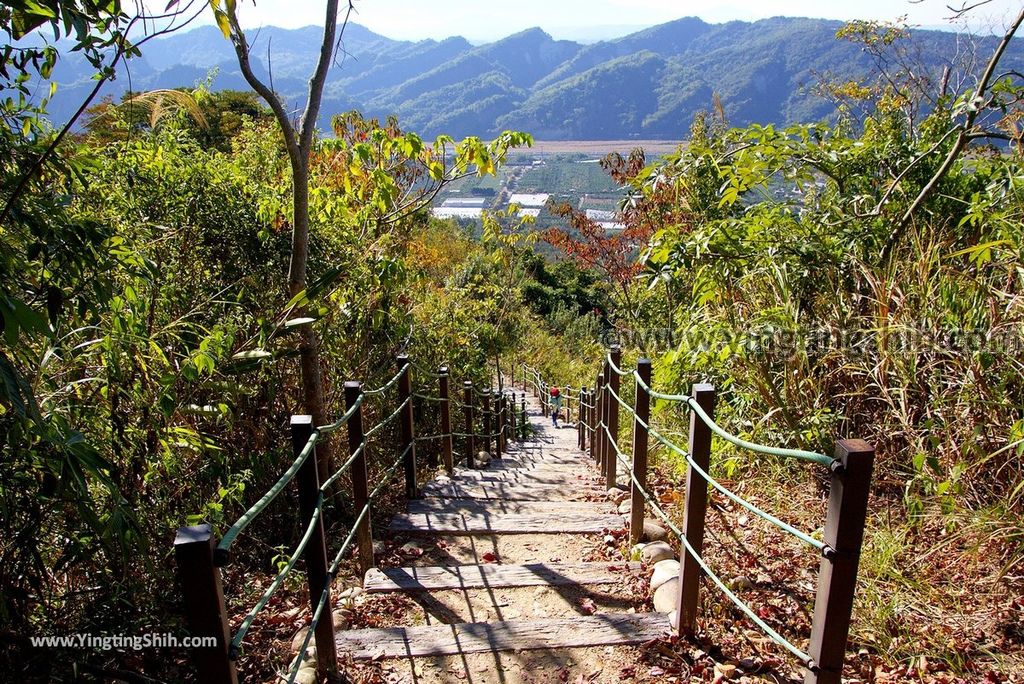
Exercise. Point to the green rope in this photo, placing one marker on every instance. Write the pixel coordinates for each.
(775, 636)
(236, 640)
(229, 537)
(390, 474)
(800, 454)
(378, 426)
(742, 502)
(425, 397)
(331, 572)
(428, 438)
(390, 383)
(811, 456)
(431, 374)
(616, 369)
(754, 509)
(348, 464)
(331, 427)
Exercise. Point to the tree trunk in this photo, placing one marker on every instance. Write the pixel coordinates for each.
(309, 348)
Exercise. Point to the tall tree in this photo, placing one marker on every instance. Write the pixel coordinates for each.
(298, 140)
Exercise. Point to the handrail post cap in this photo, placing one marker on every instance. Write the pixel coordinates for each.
(193, 533)
(443, 370)
(358, 384)
(301, 420)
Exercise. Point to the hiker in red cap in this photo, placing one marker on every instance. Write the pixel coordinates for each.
(556, 405)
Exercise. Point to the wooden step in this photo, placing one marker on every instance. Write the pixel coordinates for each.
(502, 523)
(500, 506)
(512, 635)
(495, 576)
(508, 491)
(553, 477)
(533, 465)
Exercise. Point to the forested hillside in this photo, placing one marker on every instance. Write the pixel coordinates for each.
(645, 85)
(185, 272)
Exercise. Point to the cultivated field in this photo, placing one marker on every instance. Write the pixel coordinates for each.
(600, 147)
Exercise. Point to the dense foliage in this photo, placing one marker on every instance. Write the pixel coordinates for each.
(846, 281)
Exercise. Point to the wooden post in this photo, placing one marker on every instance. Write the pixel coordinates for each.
(523, 424)
(510, 405)
(317, 579)
(611, 475)
(203, 596)
(837, 574)
(486, 408)
(360, 487)
(642, 419)
(595, 400)
(499, 424)
(408, 441)
(446, 420)
(602, 434)
(567, 418)
(581, 435)
(467, 412)
(696, 509)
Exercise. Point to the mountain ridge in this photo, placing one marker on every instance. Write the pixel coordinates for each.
(648, 84)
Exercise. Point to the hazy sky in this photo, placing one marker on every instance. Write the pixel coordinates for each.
(576, 19)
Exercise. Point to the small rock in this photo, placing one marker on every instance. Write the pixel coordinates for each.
(346, 597)
(666, 598)
(743, 582)
(379, 548)
(609, 540)
(673, 620)
(725, 670)
(625, 507)
(653, 531)
(663, 572)
(483, 456)
(299, 637)
(306, 675)
(411, 549)
(617, 495)
(656, 552)
(342, 618)
(443, 479)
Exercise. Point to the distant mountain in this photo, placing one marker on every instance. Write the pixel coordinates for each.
(647, 84)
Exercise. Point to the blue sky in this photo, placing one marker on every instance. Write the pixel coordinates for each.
(594, 19)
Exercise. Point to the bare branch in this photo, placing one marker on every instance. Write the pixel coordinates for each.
(964, 131)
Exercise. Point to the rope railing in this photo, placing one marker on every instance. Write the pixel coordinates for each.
(390, 383)
(372, 431)
(807, 539)
(200, 555)
(344, 467)
(247, 621)
(800, 454)
(598, 419)
(246, 518)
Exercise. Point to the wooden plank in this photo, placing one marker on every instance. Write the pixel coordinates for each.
(501, 506)
(533, 465)
(511, 635)
(495, 576)
(507, 491)
(543, 477)
(502, 523)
